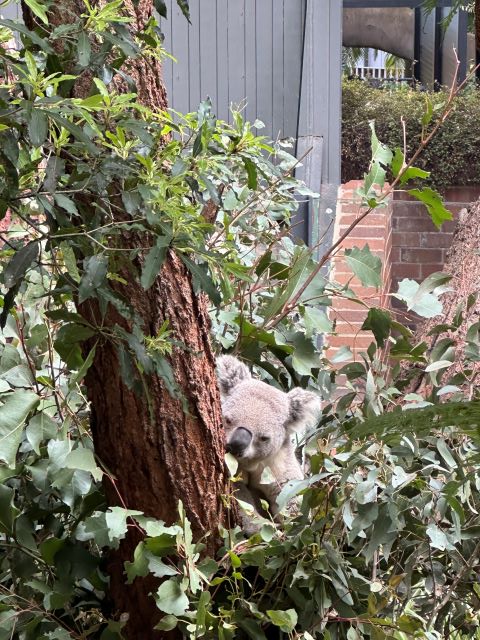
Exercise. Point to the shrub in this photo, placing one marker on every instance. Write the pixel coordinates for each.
(450, 157)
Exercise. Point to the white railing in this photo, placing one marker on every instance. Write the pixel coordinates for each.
(377, 73)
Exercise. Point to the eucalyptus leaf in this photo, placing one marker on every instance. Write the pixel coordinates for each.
(13, 413)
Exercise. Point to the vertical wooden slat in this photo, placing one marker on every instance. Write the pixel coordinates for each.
(334, 93)
(208, 51)
(250, 60)
(194, 56)
(278, 89)
(167, 63)
(236, 48)
(292, 61)
(180, 98)
(264, 63)
(222, 59)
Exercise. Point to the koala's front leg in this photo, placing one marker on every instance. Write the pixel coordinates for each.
(251, 523)
(283, 469)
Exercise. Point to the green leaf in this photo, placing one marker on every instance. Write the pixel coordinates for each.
(38, 127)
(116, 519)
(380, 152)
(84, 49)
(20, 262)
(39, 428)
(433, 201)
(70, 261)
(251, 173)
(398, 161)
(201, 279)
(153, 263)
(305, 356)
(81, 458)
(379, 323)
(139, 566)
(365, 266)
(67, 343)
(426, 305)
(38, 10)
(183, 4)
(95, 271)
(413, 172)
(79, 376)
(286, 620)
(66, 203)
(75, 130)
(438, 538)
(8, 511)
(161, 8)
(13, 414)
(428, 113)
(171, 598)
(167, 623)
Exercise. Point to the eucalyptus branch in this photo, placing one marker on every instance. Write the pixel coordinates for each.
(474, 558)
(289, 306)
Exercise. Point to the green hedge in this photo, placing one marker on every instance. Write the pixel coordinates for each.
(453, 156)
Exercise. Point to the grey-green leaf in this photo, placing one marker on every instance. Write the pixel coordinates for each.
(19, 263)
(13, 414)
(365, 266)
(171, 598)
(38, 127)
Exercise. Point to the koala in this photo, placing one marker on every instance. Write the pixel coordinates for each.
(259, 422)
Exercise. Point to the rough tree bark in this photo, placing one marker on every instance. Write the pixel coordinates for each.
(463, 264)
(177, 454)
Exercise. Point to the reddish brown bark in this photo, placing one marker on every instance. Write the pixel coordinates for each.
(157, 453)
(170, 456)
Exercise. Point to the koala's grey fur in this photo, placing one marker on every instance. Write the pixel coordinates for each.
(271, 417)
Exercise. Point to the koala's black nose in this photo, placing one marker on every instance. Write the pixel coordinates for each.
(239, 441)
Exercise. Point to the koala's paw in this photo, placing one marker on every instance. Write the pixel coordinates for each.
(230, 372)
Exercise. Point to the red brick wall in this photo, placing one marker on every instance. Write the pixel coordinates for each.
(408, 243)
(375, 230)
(418, 247)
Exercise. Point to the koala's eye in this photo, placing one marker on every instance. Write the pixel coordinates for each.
(264, 438)
(227, 420)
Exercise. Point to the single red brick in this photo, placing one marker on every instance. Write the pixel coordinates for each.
(406, 238)
(421, 256)
(424, 223)
(395, 255)
(436, 240)
(366, 231)
(404, 270)
(427, 269)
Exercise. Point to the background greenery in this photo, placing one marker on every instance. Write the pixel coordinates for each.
(451, 157)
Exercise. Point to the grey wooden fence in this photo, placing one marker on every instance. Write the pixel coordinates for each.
(281, 61)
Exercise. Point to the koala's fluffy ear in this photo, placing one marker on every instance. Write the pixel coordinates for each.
(304, 407)
(230, 372)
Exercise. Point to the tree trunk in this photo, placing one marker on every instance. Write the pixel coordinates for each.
(463, 264)
(156, 452)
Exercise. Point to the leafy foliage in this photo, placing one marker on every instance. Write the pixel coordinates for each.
(384, 545)
(447, 158)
